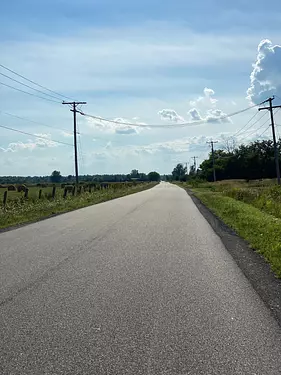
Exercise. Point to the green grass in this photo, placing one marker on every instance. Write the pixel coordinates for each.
(20, 210)
(259, 228)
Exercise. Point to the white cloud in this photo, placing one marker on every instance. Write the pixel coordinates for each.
(217, 115)
(194, 115)
(206, 101)
(171, 115)
(115, 128)
(266, 74)
(31, 145)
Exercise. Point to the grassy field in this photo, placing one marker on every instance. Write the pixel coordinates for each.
(20, 210)
(252, 209)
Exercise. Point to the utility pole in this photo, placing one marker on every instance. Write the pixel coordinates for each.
(194, 162)
(74, 110)
(213, 157)
(270, 108)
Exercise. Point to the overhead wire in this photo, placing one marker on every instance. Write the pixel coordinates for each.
(184, 124)
(249, 127)
(263, 132)
(243, 127)
(35, 122)
(30, 87)
(255, 130)
(35, 83)
(30, 93)
(34, 135)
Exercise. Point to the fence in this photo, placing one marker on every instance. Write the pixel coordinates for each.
(23, 193)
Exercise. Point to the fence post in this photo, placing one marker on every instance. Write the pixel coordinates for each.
(90, 188)
(73, 191)
(40, 194)
(79, 189)
(65, 192)
(26, 193)
(54, 192)
(5, 199)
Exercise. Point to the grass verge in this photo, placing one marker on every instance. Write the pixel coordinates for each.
(261, 230)
(20, 212)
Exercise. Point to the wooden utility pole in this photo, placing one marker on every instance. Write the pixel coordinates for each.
(276, 155)
(74, 110)
(194, 162)
(213, 157)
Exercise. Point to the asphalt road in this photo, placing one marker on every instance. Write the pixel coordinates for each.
(138, 285)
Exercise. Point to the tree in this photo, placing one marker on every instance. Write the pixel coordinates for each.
(153, 176)
(56, 177)
(179, 172)
(251, 161)
(135, 173)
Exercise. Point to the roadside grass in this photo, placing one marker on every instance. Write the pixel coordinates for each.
(20, 210)
(252, 210)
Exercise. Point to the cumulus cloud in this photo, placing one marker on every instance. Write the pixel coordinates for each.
(207, 100)
(30, 145)
(209, 104)
(179, 148)
(114, 127)
(266, 74)
(170, 115)
(194, 115)
(212, 116)
(217, 115)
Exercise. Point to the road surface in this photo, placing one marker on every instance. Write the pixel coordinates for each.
(138, 285)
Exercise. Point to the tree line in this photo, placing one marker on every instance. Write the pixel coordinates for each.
(250, 162)
(56, 177)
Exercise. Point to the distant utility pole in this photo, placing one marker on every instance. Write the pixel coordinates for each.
(194, 162)
(270, 108)
(213, 157)
(74, 110)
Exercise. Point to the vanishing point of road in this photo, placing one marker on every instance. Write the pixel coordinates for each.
(138, 285)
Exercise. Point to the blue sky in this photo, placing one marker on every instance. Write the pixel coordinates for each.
(132, 60)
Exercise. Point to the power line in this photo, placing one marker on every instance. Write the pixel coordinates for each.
(34, 122)
(184, 124)
(32, 88)
(263, 132)
(255, 130)
(29, 93)
(34, 135)
(243, 127)
(34, 83)
(254, 123)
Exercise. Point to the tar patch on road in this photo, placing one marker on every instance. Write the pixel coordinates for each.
(252, 264)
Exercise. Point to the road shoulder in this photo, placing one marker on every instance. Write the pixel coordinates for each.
(252, 264)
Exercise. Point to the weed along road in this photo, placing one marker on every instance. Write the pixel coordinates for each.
(138, 285)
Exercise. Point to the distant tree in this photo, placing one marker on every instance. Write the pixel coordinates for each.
(56, 177)
(134, 173)
(179, 172)
(143, 177)
(153, 176)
